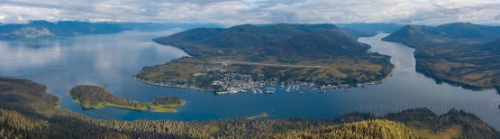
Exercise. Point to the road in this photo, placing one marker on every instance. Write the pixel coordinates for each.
(276, 65)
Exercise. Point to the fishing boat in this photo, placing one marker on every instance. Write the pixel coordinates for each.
(269, 90)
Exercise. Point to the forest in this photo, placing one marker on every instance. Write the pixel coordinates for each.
(27, 111)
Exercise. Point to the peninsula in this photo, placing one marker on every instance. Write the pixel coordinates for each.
(459, 53)
(95, 97)
(247, 56)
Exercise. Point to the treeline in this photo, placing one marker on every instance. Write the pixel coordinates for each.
(373, 129)
(30, 122)
(89, 96)
(166, 100)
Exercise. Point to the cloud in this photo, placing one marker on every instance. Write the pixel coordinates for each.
(254, 11)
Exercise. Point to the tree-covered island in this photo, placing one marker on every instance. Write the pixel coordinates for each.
(246, 56)
(95, 97)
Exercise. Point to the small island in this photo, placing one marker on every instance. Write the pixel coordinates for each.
(248, 57)
(95, 97)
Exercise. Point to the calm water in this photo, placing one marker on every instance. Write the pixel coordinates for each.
(112, 60)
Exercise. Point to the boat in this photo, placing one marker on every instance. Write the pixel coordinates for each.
(288, 89)
(269, 90)
(221, 93)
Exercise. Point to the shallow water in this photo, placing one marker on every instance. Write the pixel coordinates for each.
(111, 61)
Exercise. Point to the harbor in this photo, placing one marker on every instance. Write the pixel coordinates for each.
(293, 88)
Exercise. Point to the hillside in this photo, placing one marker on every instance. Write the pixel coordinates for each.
(447, 34)
(284, 53)
(40, 28)
(27, 111)
(315, 44)
(276, 40)
(458, 53)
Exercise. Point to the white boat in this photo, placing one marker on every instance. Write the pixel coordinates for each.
(269, 90)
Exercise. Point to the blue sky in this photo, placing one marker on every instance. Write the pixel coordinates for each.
(232, 12)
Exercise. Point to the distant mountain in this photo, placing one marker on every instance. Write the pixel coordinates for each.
(356, 34)
(35, 29)
(280, 40)
(372, 27)
(315, 44)
(443, 34)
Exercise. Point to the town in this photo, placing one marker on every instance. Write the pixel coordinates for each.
(234, 83)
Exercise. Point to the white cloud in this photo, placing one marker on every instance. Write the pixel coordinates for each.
(254, 11)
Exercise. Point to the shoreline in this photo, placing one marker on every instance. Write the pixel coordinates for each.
(344, 85)
(445, 79)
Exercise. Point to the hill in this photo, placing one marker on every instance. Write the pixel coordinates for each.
(447, 34)
(27, 111)
(284, 53)
(41, 28)
(276, 40)
(458, 53)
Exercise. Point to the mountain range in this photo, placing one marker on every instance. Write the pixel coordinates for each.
(41, 28)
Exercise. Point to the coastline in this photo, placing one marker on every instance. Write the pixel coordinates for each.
(458, 83)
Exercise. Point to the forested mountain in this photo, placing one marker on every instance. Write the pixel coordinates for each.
(444, 34)
(27, 111)
(372, 27)
(315, 44)
(280, 40)
(40, 28)
(462, 53)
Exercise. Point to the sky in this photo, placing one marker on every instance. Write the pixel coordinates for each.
(231, 12)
